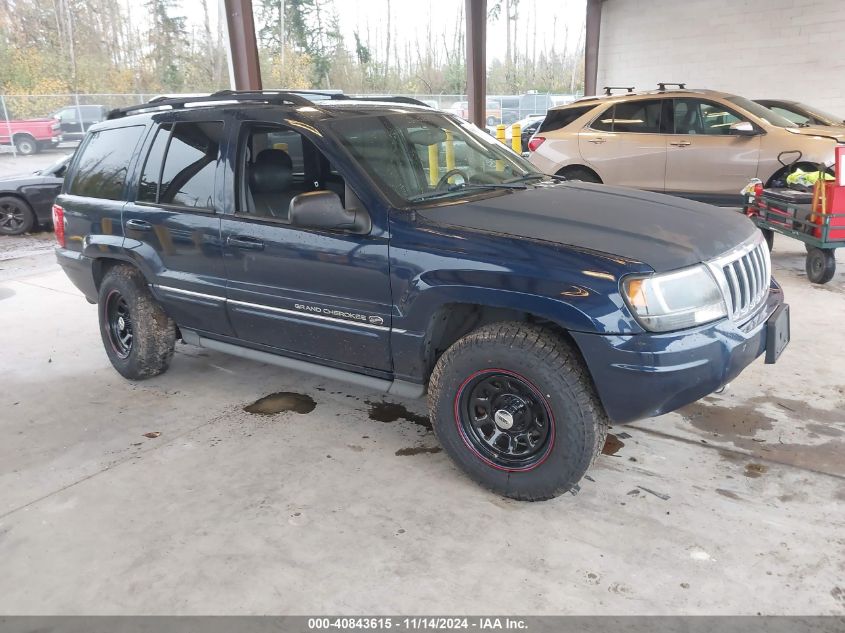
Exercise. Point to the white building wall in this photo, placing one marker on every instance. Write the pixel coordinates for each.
(787, 49)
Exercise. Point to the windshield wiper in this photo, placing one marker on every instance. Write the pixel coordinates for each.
(533, 175)
(456, 189)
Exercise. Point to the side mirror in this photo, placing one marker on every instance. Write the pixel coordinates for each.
(324, 210)
(743, 128)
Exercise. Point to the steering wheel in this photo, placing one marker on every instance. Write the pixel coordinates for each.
(444, 179)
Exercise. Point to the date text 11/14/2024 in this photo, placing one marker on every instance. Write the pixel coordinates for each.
(417, 623)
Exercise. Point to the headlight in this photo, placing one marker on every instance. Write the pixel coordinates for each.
(676, 300)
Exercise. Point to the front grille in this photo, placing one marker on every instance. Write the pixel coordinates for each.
(744, 276)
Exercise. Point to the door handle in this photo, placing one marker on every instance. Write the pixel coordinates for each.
(680, 144)
(596, 140)
(138, 225)
(244, 242)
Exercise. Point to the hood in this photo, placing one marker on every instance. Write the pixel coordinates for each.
(662, 231)
(836, 133)
(20, 179)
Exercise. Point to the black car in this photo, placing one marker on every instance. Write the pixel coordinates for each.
(26, 201)
(801, 113)
(76, 119)
(402, 249)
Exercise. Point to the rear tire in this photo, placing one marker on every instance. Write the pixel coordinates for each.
(26, 145)
(820, 265)
(579, 173)
(16, 216)
(138, 335)
(504, 386)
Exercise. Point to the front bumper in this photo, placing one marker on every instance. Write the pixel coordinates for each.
(644, 375)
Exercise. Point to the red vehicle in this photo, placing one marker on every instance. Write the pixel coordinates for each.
(31, 135)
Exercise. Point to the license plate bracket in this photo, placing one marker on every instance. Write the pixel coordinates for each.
(777, 333)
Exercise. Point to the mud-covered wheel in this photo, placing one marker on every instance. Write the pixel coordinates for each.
(137, 334)
(513, 405)
(820, 265)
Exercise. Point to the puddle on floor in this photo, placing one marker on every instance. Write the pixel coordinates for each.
(740, 420)
(754, 470)
(280, 402)
(418, 450)
(392, 412)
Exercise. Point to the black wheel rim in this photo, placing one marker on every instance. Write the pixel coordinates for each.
(12, 217)
(505, 420)
(119, 324)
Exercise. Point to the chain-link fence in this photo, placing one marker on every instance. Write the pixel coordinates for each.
(30, 124)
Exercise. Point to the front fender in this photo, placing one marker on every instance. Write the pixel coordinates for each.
(433, 270)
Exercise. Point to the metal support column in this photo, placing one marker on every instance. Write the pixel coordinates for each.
(243, 48)
(591, 46)
(476, 12)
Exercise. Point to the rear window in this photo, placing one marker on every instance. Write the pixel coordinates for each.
(181, 166)
(101, 169)
(559, 119)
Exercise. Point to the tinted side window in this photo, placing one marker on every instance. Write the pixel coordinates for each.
(187, 179)
(641, 117)
(101, 169)
(148, 188)
(692, 116)
(559, 119)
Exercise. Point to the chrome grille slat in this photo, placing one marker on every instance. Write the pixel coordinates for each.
(744, 275)
(758, 272)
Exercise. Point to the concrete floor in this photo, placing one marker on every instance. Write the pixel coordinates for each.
(338, 511)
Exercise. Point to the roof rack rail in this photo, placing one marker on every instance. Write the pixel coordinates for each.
(173, 103)
(385, 98)
(608, 89)
(662, 85)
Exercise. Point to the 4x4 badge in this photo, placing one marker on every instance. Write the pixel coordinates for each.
(376, 320)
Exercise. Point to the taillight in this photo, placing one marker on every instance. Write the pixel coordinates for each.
(535, 142)
(59, 224)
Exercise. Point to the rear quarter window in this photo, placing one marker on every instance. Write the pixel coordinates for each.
(559, 119)
(103, 164)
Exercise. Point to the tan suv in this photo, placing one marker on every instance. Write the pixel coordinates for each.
(698, 144)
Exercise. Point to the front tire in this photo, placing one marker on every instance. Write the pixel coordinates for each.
(513, 405)
(138, 335)
(16, 216)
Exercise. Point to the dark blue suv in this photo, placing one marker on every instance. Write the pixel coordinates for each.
(403, 249)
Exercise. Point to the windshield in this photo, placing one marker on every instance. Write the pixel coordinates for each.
(761, 112)
(826, 117)
(417, 156)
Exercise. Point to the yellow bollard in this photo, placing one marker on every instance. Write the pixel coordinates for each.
(450, 151)
(516, 138)
(433, 164)
(500, 136)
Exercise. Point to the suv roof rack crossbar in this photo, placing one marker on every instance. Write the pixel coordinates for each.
(662, 85)
(269, 96)
(609, 89)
